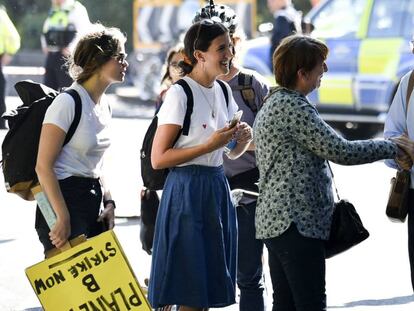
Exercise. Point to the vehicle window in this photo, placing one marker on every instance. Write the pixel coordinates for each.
(387, 18)
(338, 19)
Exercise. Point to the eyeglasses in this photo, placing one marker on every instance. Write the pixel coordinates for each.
(174, 65)
(120, 58)
(207, 22)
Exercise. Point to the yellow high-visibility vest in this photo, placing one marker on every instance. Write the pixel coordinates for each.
(9, 37)
(58, 19)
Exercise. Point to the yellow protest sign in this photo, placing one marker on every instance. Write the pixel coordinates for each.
(92, 276)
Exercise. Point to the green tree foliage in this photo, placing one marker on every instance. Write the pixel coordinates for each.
(29, 15)
(112, 13)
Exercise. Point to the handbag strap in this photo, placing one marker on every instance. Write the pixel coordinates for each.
(409, 91)
(333, 180)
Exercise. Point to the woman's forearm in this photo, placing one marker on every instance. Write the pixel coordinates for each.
(173, 157)
(51, 188)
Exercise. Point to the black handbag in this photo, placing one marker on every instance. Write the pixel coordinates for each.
(397, 206)
(347, 229)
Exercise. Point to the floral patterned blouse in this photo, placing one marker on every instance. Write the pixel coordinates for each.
(292, 146)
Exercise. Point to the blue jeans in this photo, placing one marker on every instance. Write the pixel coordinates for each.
(249, 269)
(297, 270)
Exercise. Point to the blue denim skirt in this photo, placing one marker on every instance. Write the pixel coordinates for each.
(195, 243)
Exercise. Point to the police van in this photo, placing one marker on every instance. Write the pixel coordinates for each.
(369, 52)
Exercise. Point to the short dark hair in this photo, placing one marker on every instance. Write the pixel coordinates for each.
(297, 52)
(93, 50)
(206, 34)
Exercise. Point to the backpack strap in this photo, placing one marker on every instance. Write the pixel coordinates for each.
(245, 86)
(409, 90)
(225, 91)
(78, 113)
(190, 105)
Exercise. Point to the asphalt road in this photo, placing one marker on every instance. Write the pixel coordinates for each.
(372, 276)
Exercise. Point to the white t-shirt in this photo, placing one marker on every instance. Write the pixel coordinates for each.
(82, 155)
(202, 124)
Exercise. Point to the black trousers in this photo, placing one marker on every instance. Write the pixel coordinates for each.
(2, 96)
(83, 197)
(56, 75)
(411, 233)
(297, 270)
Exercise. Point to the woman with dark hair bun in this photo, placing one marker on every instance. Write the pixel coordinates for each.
(71, 175)
(194, 252)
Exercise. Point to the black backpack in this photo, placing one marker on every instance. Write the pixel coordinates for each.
(154, 179)
(20, 145)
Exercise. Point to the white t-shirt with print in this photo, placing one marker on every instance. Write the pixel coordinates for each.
(82, 155)
(202, 124)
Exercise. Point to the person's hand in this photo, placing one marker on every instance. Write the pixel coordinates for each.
(404, 160)
(6, 59)
(244, 133)
(407, 145)
(60, 232)
(108, 216)
(221, 137)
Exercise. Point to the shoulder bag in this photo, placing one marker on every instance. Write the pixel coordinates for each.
(347, 229)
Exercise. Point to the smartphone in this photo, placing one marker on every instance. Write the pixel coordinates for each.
(236, 118)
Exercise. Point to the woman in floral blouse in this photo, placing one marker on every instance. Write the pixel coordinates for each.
(293, 145)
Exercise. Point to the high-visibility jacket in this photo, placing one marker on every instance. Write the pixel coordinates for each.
(9, 37)
(63, 24)
(58, 19)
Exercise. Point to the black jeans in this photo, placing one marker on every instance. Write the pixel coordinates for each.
(297, 270)
(2, 97)
(83, 197)
(411, 233)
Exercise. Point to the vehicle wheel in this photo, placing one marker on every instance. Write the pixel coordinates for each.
(358, 131)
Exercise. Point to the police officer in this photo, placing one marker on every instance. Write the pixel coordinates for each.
(67, 20)
(9, 45)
